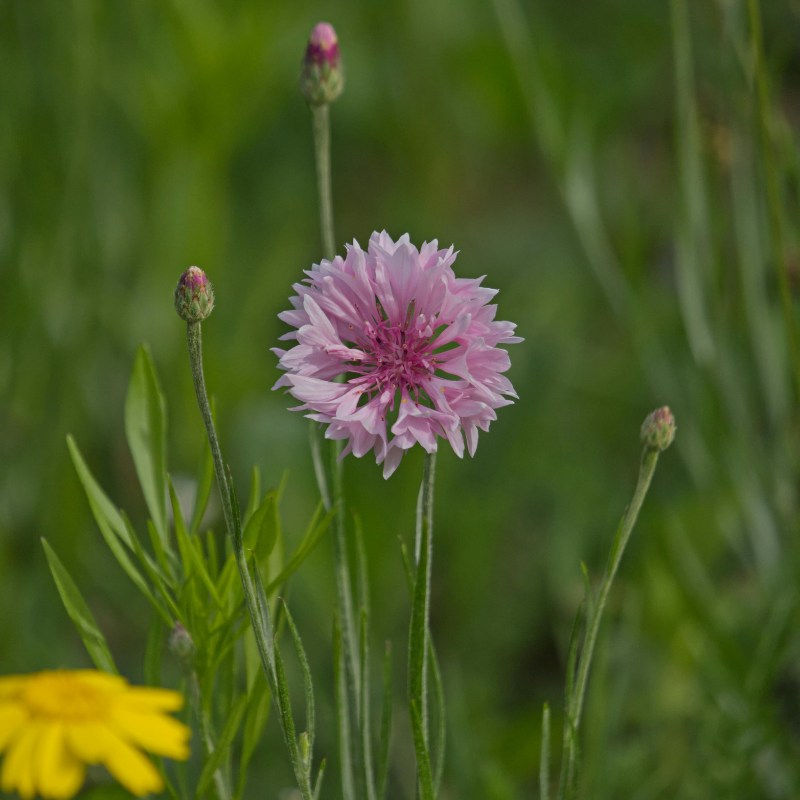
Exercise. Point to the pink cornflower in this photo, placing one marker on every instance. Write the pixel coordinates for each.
(398, 322)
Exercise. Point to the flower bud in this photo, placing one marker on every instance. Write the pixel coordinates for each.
(180, 643)
(322, 76)
(658, 430)
(194, 296)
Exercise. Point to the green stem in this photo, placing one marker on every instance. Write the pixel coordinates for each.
(322, 153)
(773, 190)
(575, 704)
(428, 476)
(232, 524)
(648, 466)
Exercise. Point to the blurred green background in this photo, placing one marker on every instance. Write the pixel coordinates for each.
(601, 163)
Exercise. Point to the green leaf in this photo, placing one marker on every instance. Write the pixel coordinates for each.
(104, 511)
(79, 613)
(320, 776)
(146, 429)
(152, 653)
(285, 710)
(587, 590)
(307, 685)
(386, 723)
(304, 549)
(261, 530)
(255, 495)
(423, 760)
(217, 757)
(544, 763)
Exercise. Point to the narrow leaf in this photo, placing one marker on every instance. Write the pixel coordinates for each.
(79, 613)
(261, 531)
(307, 685)
(102, 507)
(320, 775)
(146, 430)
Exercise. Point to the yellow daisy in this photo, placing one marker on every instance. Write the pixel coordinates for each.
(53, 724)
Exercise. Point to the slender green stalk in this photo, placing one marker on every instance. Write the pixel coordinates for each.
(773, 189)
(265, 646)
(322, 153)
(419, 634)
(576, 694)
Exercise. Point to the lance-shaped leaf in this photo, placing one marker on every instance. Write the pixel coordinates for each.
(146, 430)
(79, 613)
(261, 530)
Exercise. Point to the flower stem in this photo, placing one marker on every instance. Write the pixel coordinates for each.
(233, 526)
(223, 793)
(575, 702)
(322, 154)
(428, 476)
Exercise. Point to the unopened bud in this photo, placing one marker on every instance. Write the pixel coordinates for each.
(305, 747)
(180, 642)
(194, 296)
(322, 76)
(658, 430)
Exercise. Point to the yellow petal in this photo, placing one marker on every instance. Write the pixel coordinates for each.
(130, 767)
(59, 774)
(87, 741)
(152, 731)
(100, 680)
(12, 716)
(160, 699)
(18, 765)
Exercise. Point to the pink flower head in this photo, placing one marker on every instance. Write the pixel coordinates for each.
(418, 344)
(323, 45)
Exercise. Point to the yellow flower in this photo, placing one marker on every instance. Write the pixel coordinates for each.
(55, 723)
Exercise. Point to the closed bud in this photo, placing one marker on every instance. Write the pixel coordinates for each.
(305, 747)
(322, 77)
(181, 644)
(658, 430)
(194, 296)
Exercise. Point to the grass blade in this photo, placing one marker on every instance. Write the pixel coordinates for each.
(342, 712)
(152, 653)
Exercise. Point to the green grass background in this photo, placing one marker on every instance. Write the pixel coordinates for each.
(600, 162)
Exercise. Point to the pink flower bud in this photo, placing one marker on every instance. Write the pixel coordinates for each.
(658, 430)
(194, 296)
(322, 77)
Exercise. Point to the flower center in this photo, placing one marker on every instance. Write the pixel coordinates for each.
(396, 357)
(62, 696)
